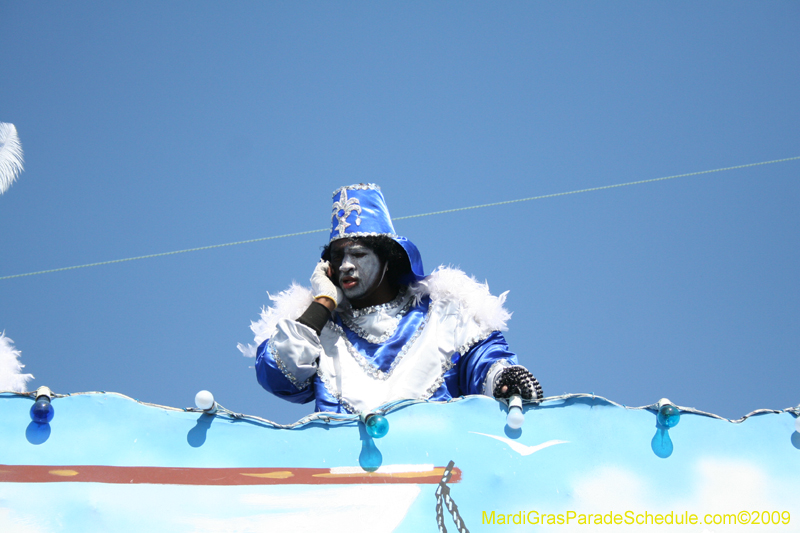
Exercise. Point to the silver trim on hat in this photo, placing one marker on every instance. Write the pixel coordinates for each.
(364, 234)
(357, 186)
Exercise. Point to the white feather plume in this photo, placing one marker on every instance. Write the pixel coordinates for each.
(289, 304)
(10, 156)
(10, 367)
(474, 298)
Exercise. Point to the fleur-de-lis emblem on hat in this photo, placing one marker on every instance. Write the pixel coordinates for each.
(342, 209)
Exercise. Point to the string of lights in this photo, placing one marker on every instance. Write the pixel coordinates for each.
(339, 418)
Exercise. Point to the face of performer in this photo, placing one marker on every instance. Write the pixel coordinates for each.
(358, 271)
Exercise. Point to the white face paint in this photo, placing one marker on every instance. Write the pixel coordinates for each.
(357, 268)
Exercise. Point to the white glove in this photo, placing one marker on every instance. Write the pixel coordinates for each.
(321, 284)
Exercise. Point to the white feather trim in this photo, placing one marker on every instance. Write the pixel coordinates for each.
(10, 156)
(445, 283)
(474, 298)
(10, 367)
(289, 304)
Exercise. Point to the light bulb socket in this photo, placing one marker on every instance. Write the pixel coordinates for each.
(44, 392)
(667, 413)
(364, 415)
(515, 401)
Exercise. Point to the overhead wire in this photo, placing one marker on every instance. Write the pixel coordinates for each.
(406, 217)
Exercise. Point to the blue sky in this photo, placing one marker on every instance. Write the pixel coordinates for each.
(150, 127)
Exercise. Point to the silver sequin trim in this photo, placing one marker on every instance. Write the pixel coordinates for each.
(363, 234)
(278, 361)
(357, 313)
(447, 364)
(376, 339)
(357, 186)
(336, 394)
(368, 367)
(467, 346)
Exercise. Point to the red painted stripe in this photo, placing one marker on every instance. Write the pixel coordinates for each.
(209, 476)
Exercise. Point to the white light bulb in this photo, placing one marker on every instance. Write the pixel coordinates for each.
(515, 418)
(204, 400)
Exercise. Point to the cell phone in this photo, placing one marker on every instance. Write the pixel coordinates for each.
(333, 276)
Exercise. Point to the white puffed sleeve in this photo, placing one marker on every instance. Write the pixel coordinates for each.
(295, 349)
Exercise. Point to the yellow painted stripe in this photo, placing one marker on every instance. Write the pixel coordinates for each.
(272, 475)
(63, 473)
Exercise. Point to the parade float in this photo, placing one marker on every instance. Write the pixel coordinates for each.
(104, 462)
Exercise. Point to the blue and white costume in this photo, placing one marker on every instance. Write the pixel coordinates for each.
(438, 339)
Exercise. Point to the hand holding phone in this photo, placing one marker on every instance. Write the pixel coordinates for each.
(322, 286)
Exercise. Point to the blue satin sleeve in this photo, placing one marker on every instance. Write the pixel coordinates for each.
(325, 402)
(469, 373)
(272, 379)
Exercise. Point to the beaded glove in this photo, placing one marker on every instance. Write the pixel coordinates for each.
(519, 381)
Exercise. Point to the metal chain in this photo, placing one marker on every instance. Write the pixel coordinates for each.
(443, 495)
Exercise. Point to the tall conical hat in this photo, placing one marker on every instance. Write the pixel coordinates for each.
(360, 211)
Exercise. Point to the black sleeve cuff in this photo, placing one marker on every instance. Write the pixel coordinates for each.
(315, 317)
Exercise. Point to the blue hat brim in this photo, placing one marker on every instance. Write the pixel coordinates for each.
(417, 270)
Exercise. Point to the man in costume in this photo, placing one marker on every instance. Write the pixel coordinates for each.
(374, 329)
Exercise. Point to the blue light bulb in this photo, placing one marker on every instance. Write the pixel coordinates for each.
(377, 426)
(661, 443)
(669, 416)
(370, 458)
(42, 411)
